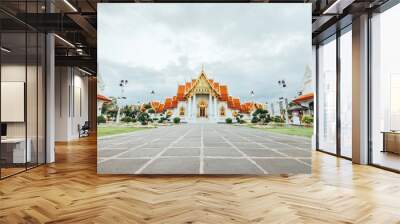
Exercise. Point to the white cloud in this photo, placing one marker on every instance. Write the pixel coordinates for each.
(247, 46)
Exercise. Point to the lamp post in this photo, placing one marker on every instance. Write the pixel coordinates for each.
(152, 95)
(252, 98)
(282, 84)
(122, 85)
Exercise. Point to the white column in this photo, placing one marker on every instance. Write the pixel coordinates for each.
(194, 107)
(360, 90)
(215, 108)
(50, 99)
(209, 106)
(189, 105)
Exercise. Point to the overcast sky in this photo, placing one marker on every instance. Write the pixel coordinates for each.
(246, 46)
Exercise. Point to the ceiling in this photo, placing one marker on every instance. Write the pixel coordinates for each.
(75, 21)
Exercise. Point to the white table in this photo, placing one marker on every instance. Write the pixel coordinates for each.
(18, 149)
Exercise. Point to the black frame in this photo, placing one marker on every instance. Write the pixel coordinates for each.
(389, 4)
(339, 32)
(29, 29)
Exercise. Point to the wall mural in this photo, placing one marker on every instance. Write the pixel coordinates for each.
(204, 88)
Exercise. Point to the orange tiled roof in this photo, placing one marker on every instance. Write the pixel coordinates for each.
(181, 93)
(168, 103)
(174, 102)
(216, 86)
(230, 102)
(246, 107)
(155, 104)
(305, 97)
(221, 90)
(188, 86)
(103, 98)
(160, 108)
(236, 103)
(224, 92)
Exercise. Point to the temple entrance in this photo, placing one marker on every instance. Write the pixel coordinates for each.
(202, 112)
(202, 107)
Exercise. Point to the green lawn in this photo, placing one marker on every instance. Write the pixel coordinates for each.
(304, 132)
(105, 131)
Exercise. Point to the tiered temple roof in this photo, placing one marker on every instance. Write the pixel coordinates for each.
(103, 98)
(220, 90)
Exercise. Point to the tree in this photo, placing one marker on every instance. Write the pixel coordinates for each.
(112, 113)
(147, 106)
(101, 119)
(239, 119)
(143, 118)
(105, 107)
(261, 115)
(255, 119)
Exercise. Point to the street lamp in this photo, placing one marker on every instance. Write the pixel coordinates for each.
(252, 98)
(282, 84)
(122, 85)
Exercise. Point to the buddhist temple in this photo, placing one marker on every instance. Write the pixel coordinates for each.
(203, 99)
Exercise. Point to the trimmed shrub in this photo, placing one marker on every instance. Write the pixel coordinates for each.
(228, 120)
(143, 118)
(126, 119)
(162, 119)
(307, 119)
(255, 120)
(277, 119)
(177, 120)
(147, 106)
(101, 119)
(239, 117)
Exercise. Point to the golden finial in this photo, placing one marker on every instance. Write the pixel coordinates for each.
(202, 68)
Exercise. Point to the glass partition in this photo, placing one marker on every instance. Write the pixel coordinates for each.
(31, 97)
(14, 153)
(385, 89)
(327, 96)
(22, 77)
(346, 93)
(41, 97)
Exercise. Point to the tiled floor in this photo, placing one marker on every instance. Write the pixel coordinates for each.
(203, 149)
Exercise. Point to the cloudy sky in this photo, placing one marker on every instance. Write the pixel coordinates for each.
(246, 46)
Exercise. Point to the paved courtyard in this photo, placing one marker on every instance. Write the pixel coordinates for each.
(203, 149)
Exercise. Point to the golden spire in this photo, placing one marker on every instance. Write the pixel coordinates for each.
(202, 68)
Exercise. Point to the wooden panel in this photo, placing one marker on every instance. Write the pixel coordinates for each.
(70, 191)
(392, 142)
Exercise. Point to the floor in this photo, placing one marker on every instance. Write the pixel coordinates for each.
(70, 191)
(204, 149)
(386, 159)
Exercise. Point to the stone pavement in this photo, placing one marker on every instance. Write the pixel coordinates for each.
(203, 149)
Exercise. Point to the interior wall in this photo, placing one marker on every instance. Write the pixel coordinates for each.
(15, 73)
(71, 102)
